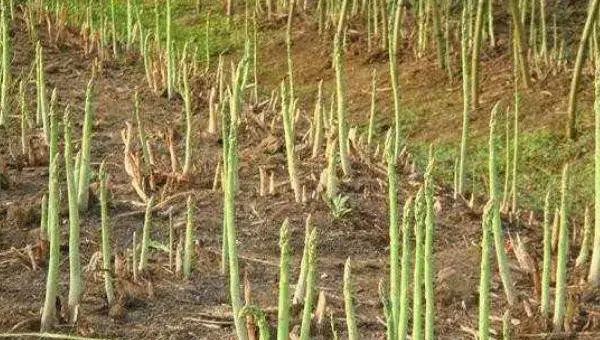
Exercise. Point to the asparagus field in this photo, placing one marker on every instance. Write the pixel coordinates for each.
(285, 169)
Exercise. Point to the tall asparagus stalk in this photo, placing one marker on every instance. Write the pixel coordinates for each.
(485, 273)
(288, 45)
(372, 111)
(594, 274)
(429, 267)
(283, 309)
(393, 50)
(75, 281)
(507, 158)
(141, 135)
(188, 249)
(318, 131)
(5, 74)
(572, 105)
(465, 41)
(53, 149)
(170, 56)
(338, 53)
(224, 186)
(515, 161)
(130, 36)
(44, 218)
(42, 111)
(207, 41)
(562, 255)
(113, 28)
(49, 316)
(25, 122)
(496, 222)
(146, 235)
(332, 180)
(417, 332)
(86, 139)
(187, 164)
(394, 247)
(586, 241)
(439, 34)
(235, 107)
(349, 301)
(490, 11)
(287, 111)
(519, 40)
(476, 53)
(545, 288)
(310, 286)
(407, 218)
(533, 28)
(212, 111)
(421, 17)
(106, 247)
(255, 57)
(145, 53)
(157, 26)
(544, 47)
(301, 285)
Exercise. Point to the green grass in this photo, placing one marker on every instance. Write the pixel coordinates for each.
(187, 24)
(543, 154)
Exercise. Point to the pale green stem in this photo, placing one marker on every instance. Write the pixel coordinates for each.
(417, 332)
(407, 218)
(300, 286)
(496, 222)
(338, 54)
(485, 273)
(187, 164)
(106, 247)
(287, 111)
(44, 218)
(393, 50)
(283, 309)
(429, 258)
(349, 301)
(594, 274)
(372, 111)
(394, 247)
(6, 58)
(547, 260)
(310, 286)
(188, 249)
(49, 312)
(75, 280)
(86, 140)
(146, 235)
(562, 255)
(466, 101)
(586, 241)
(318, 133)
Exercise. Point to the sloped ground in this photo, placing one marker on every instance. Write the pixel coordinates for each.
(173, 309)
(432, 105)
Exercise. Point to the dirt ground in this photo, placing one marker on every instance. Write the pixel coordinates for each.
(161, 306)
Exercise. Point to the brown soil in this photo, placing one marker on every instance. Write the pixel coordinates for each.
(426, 92)
(161, 306)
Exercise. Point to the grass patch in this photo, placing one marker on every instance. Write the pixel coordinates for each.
(187, 24)
(542, 156)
